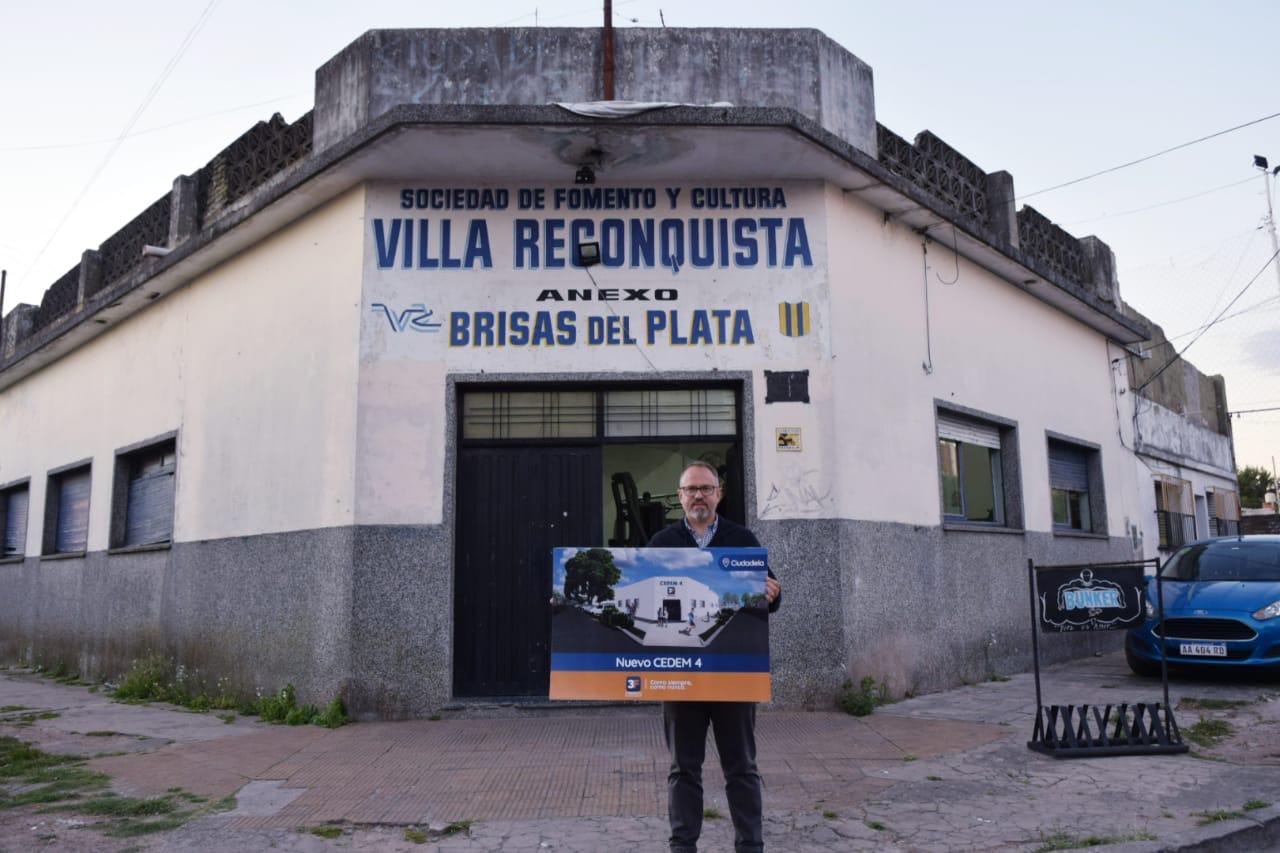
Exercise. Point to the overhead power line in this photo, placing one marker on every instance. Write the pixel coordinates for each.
(1251, 411)
(1270, 302)
(90, 142)
(128, 128)
(1247, 180)
(1178, 147)
(1200, 334)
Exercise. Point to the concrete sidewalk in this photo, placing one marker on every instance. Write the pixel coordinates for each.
(949, 771)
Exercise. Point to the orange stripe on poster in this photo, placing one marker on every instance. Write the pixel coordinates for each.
(663, 686)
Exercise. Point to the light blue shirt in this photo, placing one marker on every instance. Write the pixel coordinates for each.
(704, 540)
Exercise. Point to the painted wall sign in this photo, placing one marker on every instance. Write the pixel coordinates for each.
(482, 274)
(670, 624)
(1100, 598)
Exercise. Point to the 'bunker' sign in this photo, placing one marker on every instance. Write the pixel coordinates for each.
(669, 624)
(1097, 598)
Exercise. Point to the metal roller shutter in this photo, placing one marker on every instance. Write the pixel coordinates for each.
(15, 523)
(968, 432)
(73, 513)
(149, 519)
(1068, 468)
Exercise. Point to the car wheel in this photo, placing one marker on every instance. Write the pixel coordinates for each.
(1141, 667)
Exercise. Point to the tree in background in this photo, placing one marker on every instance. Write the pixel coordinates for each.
(590, 576)
(1255, 482)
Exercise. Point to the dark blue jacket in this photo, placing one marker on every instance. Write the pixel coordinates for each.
(728, 535)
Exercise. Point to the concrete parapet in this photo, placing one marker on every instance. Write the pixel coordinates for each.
(184, 210)
(1102, 263)
(1002, 206)
(17, 326)
(801, 69)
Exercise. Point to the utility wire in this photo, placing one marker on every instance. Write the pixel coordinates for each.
(1233, 301)
(1251, 411)
(61, 145)
(128, 128)
(1179, 147)
(1247, 180)
(1269, 302)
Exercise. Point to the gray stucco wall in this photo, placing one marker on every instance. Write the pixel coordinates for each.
(368, 612)
(260, 611)
(798, 68)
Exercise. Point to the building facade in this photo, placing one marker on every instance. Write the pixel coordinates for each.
(330, 432)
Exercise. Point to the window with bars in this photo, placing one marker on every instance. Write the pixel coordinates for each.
(14, 515)
(1175, 512)
(143, 495)
(606, 413)
(974, 470)
(66, 529)
(1223, 506)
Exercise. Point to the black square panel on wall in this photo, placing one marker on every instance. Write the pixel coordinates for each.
(786, 386)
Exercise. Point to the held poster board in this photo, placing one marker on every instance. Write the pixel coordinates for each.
(660, 624)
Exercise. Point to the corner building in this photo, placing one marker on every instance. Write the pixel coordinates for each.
(332, 431)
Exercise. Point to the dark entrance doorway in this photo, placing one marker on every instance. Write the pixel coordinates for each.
(673, 609)
(514, 506)
(537, 469)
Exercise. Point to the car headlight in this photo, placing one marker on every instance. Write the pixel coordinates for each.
(1151, 609)
(1271, 611)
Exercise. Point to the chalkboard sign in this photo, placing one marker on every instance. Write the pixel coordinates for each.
(1090, 598)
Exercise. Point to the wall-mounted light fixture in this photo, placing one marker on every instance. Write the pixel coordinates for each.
(585, 175)
(588, 254)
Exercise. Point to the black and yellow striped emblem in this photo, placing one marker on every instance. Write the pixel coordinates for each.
(793, 318)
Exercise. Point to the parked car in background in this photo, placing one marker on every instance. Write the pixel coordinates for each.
(1221, 608)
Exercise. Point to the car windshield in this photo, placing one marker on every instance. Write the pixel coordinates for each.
(1228, 560)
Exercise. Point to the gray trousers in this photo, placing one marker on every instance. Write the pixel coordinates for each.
(734, 725)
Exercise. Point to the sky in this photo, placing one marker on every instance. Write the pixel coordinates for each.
(1049, 92)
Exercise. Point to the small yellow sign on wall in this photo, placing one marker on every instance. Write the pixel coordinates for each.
(788, 438)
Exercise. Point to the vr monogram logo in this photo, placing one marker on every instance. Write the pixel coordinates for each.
(416, 318)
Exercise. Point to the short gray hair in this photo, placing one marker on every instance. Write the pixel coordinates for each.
(698, 463)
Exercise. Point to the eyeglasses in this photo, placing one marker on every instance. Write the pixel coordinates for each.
(704, 491)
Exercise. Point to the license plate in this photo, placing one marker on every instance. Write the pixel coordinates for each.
(1208, 650)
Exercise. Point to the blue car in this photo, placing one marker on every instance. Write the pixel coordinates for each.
(1222, 608)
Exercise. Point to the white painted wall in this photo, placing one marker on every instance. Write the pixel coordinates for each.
(255, 363)
(994, 349)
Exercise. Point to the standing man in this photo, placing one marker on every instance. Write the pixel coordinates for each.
(734, 723)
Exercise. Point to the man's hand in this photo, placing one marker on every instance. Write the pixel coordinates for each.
(772, 589)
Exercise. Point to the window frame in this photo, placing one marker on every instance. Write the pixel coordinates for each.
(52, 501)
(1097, 494)
(1166, 540)
(21, 484)
(1007, 482)
(1219, 524)
(126, 458)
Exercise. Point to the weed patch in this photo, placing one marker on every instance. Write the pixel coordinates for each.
(415, 836)
(1065, 841)
(863, 699)
(154, 678)
(101, 734)
(999, 678)
(1254, 805)
(7, 708)
(1209, 704)
(1209, 732)
(934, 778)
(329, 832)
(1219, 816)
(458, 827)
(830, 815)
(875, 824)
